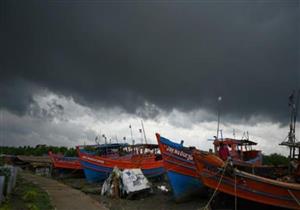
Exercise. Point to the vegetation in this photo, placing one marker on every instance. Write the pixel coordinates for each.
(27, 196)
(37, 151)
(275, 159)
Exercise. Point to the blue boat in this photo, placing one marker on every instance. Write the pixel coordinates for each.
(180, 167)
(98, 164)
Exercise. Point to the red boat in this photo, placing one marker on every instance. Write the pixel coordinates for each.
(225, 177)
(219, 175)
(98, 163)
(62, 162)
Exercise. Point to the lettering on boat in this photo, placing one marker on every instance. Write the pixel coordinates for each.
(179, 153)
(92, 159)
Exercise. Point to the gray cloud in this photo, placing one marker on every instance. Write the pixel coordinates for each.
(172, 54)
(51, 111)
(28, 130)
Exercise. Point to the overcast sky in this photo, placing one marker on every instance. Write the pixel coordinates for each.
(73, 69)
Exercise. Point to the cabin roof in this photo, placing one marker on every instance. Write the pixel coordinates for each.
(229, 141)
(291, 144)
(149, 146)
(119, 145)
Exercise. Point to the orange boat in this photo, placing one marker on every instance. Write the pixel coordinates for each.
(223, 176)
(99, 163)
(62, 162)
(219, 175)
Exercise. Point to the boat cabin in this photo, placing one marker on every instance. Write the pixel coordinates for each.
(119, 149)
(239, 150)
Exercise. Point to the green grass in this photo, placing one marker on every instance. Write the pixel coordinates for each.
(27, 196)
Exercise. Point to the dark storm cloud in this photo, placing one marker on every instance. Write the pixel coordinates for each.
(16, 94)
(173, 54)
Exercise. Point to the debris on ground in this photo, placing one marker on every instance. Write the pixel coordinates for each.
(163, 188)
(125, 184)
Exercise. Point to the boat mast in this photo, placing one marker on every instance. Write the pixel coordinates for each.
(219, 102)
(291, 138)
(144, 131)
(292, 133)
(131, 134)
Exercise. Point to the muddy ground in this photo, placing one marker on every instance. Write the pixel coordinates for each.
(155, 200)
(159, 200)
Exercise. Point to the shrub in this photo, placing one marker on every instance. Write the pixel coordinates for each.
(31, 206)
(275, 159)
(30, 196)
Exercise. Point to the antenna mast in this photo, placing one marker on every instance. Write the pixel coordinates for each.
(291, 138)
(144, 131)
(219, 102)
(131, 134)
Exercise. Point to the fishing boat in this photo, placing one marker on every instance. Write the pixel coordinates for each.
(180, 168)
(223, 176)
(63, 162)
(99, 162)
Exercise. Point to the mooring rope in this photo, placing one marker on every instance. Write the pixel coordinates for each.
(206, 207)
(235, 197)
(294, 197)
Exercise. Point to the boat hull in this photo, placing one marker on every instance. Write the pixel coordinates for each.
(97, 168)
(180, 167)
(183, 186)
(67, 163)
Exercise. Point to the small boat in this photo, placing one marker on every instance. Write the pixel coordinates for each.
(99, 161)
(63, 162)
(221, 176)
(180, 167)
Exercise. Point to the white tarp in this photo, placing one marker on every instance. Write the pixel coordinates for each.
(134, 180)
(125, 183)
(111, 185)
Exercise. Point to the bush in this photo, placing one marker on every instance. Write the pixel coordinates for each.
(30, 196)
(31, 206)
(275, 159)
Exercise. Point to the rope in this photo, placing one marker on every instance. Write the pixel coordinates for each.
(214, 174)
(294, 197)
(206, 207)
(235, 197)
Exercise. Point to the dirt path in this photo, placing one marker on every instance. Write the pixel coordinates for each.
(62, 196)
